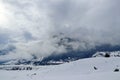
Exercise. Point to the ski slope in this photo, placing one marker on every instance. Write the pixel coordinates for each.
(98, 68)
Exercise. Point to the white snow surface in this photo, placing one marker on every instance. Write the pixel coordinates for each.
(78, 70)
(102, 54)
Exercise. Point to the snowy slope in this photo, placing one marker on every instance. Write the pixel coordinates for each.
(83, 69)
(104, 54)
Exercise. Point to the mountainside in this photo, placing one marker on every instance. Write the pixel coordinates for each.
(62, 58)
(98, 68)
(107, 54)
(72, 52)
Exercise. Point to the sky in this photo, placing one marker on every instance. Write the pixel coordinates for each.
(28, 25)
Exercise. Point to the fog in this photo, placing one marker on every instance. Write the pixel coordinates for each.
(28, 25)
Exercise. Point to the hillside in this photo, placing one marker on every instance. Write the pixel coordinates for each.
(86, 69)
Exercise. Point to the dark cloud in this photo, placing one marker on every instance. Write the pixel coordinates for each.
(30, 25)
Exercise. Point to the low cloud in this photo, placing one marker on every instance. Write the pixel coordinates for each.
(29, 25)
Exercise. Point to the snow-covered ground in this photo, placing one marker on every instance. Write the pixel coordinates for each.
(98, 68)
(107, 54)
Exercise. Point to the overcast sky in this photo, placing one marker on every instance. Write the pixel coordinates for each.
(29, 24)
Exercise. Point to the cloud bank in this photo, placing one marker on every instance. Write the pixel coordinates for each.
(29, 25)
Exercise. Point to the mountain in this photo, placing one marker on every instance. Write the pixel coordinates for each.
(98, 68)
(107, 54)
(72, 53)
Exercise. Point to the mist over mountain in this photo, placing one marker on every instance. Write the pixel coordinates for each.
(67, 49)
(47, 30)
